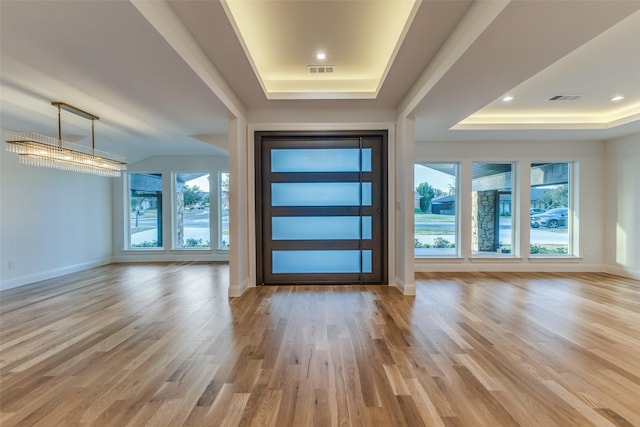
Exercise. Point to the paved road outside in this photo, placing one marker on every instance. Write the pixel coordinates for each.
(538, 235)
(195, 227)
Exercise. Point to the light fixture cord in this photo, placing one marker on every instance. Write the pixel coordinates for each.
(59, 129)
(93, 138)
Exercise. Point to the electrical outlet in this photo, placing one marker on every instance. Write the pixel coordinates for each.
(12, 265)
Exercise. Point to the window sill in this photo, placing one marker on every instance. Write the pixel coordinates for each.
(557, 258)
(439, 259)
(494, 258)
(192, 249)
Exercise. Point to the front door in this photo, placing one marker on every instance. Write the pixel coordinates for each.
(320, 207)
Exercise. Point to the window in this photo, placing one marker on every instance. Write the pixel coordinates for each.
(223, 203)
(145, 210)
(492, 208)
(550, 209)
(192, 216)
(435, 206)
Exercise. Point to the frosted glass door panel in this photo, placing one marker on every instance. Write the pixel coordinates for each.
(319, 160)
(366, 228)
(319, 228)
(366, 160)
(366, 194)
(366, 262)
(316, 261)
(320, 194)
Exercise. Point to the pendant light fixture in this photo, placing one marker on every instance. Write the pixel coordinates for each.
(40, 150)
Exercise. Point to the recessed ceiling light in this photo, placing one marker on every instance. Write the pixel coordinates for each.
(321, 56)
(507, 98)
(617, 98)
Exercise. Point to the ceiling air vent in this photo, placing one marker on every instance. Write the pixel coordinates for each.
(320, 69)
(565, 97)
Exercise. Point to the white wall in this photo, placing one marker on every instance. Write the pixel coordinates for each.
(51, 222)
(622, 223)
(590, 210)
(54, 222)
(167, 166)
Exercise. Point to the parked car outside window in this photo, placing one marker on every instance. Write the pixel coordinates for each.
(553, 218)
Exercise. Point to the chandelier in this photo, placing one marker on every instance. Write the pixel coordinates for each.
(40, 150)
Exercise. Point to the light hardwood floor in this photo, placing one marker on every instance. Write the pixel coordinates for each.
(163, 345)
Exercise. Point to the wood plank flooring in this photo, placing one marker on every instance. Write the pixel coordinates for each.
(162, 345)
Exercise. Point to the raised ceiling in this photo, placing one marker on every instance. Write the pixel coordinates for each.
(165, 76)
(576, 92)
(357, 40)
(214, 33)
(536, 42)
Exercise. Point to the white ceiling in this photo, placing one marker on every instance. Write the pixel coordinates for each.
(164, 77)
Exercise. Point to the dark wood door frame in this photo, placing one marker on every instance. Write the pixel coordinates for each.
(264, 140)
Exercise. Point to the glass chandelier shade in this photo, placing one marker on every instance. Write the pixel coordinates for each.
(41, 150)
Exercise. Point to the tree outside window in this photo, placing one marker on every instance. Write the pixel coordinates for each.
(192, 217)
(223, 224)
(435, 203)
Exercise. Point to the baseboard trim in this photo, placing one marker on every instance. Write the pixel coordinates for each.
(239, 289)
(623, 271)
(409, 289)
(571, 266)
(51, 274)
(159, 256)
(405, 288)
